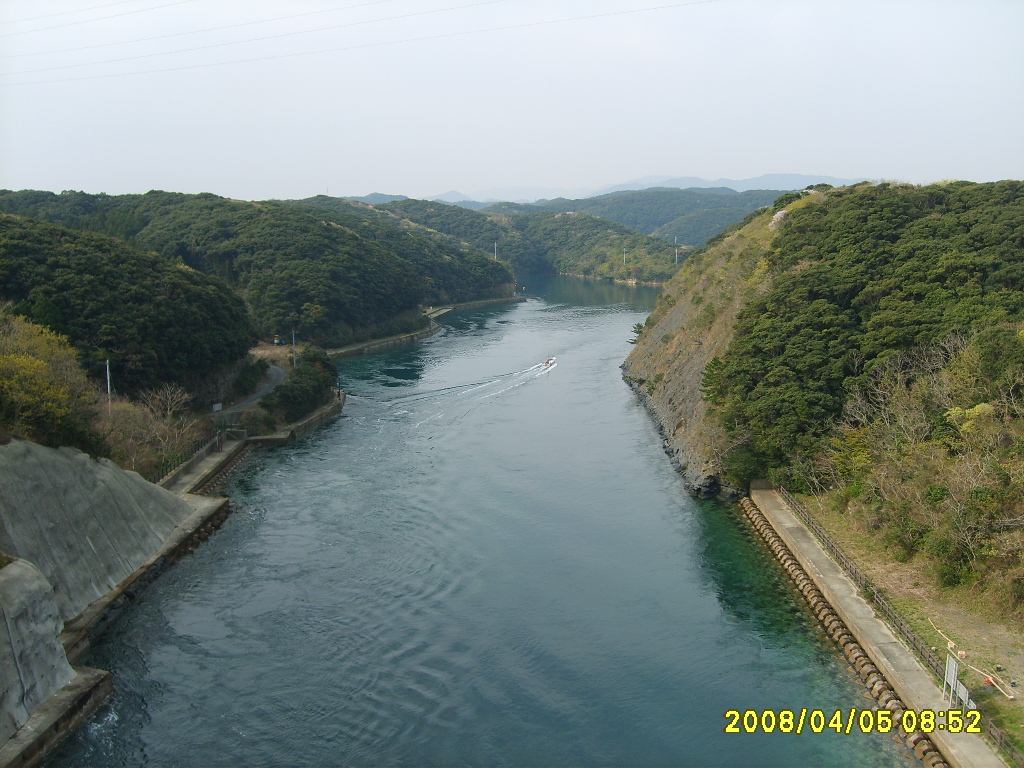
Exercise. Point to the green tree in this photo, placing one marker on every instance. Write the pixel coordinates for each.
(44, 394)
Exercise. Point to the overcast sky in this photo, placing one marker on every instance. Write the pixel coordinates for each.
(419, 97)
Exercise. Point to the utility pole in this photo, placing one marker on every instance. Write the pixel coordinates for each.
(108, 386)
(293, 348)
(495, 250)
(623, 255)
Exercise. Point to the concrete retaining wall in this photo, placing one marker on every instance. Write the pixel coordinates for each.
(887, 667)
(86, 524)
(378, 344)
(302, 428)
(57, 717)
(43, 697)
(32, 662)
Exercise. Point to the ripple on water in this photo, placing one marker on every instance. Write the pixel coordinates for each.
(475, 566)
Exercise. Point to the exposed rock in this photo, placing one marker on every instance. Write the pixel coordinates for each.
(706, 487)
(692, 324)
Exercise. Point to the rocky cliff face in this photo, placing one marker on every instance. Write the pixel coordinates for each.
(693, 323)
(32, 662)
(84, 523)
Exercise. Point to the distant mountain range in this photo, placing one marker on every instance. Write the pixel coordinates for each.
(485, 197)
(766, 181)
(376, 198)
(679, 216)
(785, 181)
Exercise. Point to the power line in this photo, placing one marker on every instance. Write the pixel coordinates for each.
(192, 32)
(65, 13)
(254, 39)
(374, 45)
(100, 18)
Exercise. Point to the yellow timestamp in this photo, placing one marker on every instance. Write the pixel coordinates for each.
(859, 720)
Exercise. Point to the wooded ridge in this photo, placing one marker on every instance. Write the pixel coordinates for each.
(867, 341)
(332, 276)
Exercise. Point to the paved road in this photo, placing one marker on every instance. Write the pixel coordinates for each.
(275, 375)
(911, 681)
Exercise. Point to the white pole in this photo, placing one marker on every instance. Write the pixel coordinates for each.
(108, 385)
(495, 250)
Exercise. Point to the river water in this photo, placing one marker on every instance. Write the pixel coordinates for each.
(483, 563)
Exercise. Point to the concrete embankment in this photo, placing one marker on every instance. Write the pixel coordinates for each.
(98, 535)
(43, 697)
(85, 523)
(887, 667)
(304, 426)
(32, 662)
(88, 535)
(376, 345)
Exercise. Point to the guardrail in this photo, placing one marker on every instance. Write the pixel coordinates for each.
(199, 445)
(922, 649)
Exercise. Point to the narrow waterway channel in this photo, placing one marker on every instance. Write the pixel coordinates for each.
(484, 563)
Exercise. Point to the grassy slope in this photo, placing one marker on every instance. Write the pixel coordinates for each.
(978, 624)
(693, 323)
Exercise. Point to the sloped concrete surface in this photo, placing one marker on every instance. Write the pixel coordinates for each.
(33, 666)
(85, 523)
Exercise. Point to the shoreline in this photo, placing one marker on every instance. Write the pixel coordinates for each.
(878, 651)
(707, 486)
(649, 283)
(191, 482)
(68, 708)
(385, 342)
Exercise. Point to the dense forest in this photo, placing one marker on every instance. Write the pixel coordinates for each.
(580, 244)
(334, 278)
(868, 345)
(856, 279)
(542, 241)
(156, 321)
(477, 229)
(687, 216)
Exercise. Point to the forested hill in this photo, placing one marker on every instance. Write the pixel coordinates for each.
(332, 276)
(155, 320)
(549, 242)
(686, 216)
(872, 344)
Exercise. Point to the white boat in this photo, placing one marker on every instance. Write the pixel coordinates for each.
(549, 362)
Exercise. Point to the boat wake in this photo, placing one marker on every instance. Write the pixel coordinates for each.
(460, 395)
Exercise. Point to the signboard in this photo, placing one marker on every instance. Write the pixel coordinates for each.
(952, 689)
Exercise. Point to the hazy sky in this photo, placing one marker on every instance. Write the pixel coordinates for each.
(419, 97)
